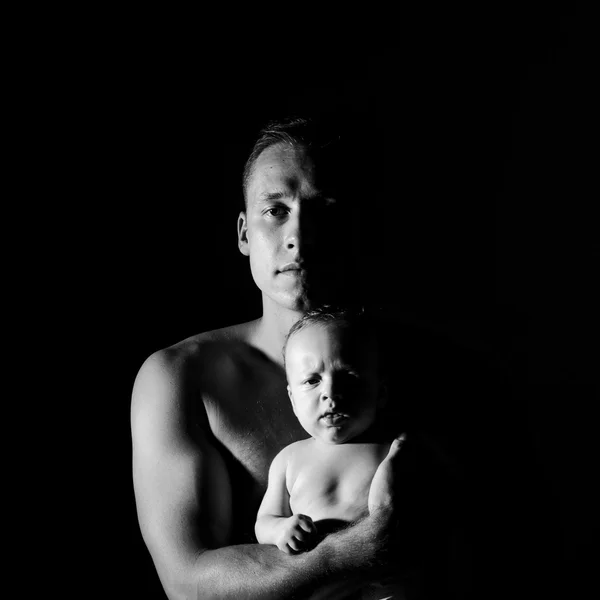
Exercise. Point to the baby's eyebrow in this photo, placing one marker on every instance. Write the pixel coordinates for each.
(310, 373)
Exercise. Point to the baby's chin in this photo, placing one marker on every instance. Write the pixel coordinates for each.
(334, 436)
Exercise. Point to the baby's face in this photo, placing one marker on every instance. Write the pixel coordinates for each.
(332, 382)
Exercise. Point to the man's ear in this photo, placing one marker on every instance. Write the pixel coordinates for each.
(242, 232)
(292, 399)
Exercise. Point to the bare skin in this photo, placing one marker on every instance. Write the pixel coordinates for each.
(322, 484)
(210, 413)
(315, 487)
(334, 389)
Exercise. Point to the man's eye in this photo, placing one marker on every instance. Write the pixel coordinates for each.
(276, 211)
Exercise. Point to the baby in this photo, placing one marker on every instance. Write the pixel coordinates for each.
(321, 483)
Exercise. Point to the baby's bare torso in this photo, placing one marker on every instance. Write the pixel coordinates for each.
(332, 481)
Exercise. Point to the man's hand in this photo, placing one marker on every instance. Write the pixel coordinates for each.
(383, 486)
(296, 534)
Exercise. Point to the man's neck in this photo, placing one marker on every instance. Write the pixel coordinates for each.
(272, 329)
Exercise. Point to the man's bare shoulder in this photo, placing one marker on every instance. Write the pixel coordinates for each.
(242, 332)
(200, 359)
(201, 347)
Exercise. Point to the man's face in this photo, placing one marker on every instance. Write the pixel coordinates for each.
(293, 230)
(332, 382)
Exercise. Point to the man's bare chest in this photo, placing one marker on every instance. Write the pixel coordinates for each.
(251, 419)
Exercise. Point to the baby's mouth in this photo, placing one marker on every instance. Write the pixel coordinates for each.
(334, 418)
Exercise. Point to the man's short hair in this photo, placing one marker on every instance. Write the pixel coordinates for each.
(314, 135)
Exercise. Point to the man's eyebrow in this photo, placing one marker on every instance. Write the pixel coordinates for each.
(318, 196)
(268, 196)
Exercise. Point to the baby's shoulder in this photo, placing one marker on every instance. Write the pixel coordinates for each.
(292, 452)
(296, 456)
(297, 448)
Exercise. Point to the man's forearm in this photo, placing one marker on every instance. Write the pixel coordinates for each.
(362, 547)
(256, 571)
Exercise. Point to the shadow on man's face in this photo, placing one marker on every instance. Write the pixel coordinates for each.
(333, 229)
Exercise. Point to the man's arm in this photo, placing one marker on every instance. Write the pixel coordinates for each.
(183, 498)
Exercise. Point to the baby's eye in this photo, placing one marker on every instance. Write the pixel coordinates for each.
(311, 381)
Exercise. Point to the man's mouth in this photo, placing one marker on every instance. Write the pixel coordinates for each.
(291, 268)
(333, 419)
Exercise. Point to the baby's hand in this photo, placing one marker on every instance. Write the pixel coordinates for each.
(296, 534)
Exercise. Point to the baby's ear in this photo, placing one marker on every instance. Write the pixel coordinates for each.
(289, 391)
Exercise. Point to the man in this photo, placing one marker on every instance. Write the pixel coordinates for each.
(210, 413)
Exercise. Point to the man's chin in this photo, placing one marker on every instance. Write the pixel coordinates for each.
(313, 301)
(294, 301)
(310, 301)
(309, 297)
(303, 304)
(315, 298)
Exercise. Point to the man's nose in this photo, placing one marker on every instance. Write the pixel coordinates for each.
(299, 231)
(292, 237)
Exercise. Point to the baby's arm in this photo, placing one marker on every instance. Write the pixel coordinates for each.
(275, 523)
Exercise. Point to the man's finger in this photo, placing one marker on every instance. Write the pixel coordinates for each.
(396, 445)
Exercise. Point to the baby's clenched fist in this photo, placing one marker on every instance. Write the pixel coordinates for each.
(296, 534)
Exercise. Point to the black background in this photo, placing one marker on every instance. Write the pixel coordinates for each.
(479, 222)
